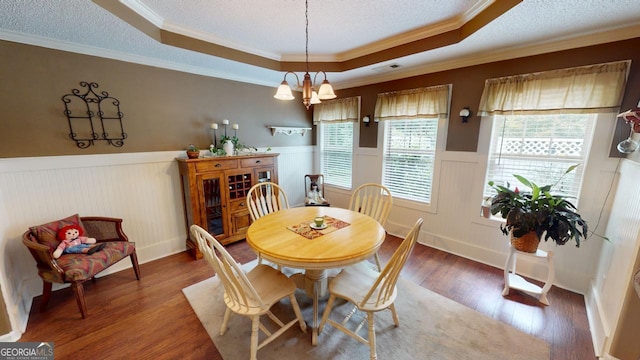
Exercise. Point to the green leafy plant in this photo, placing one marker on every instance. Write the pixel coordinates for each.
(192, 147)
(537, 209)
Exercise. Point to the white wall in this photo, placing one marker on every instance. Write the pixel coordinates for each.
(141, 188)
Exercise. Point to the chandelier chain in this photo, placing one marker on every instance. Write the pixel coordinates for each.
(306, 26)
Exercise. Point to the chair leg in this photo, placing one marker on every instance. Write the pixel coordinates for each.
(296, 309)
(396, 321)
(225, 321)
(255, 325)
(79, 290)
(46, 295)
(134, 262)
(372, 337)
(377, 258)
(325, 315)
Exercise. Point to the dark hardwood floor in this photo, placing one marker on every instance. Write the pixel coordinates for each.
(151, 318)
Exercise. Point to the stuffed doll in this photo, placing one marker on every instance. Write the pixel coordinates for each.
(72, 241)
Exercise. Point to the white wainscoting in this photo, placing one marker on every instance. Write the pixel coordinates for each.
(615, 266)
(141, 188)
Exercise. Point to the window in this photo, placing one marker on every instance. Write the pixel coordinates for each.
(409, 154)
(336, 121)
(540, 148)
(411, 120)
(336, 153)
(544, 122)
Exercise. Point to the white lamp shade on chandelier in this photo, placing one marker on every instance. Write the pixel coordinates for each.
(284, 92)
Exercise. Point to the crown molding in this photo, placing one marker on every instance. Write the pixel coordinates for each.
(191, 33)
(567, 43)
(427, 38)
(616, 34)
(141, 9)
(415, 35)
(121, 56)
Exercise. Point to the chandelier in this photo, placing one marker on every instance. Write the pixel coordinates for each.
(309, 94)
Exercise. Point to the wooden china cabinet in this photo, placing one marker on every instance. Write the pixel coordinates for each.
(215, 189)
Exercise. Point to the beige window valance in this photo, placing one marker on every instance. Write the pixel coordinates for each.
(340, 110)
(585, 89)
(406, 104)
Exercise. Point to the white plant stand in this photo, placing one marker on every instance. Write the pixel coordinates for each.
(514, 281)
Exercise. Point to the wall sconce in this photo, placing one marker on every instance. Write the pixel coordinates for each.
(366, 120)
(464, 114)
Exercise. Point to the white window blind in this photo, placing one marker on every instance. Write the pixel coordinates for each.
(540, 148)
(336, 120)
(411, 120)
(409, 153)
(337, 153)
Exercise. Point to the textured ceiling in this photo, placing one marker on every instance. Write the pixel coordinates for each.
(338, 29)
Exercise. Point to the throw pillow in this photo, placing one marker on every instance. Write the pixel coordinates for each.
(46, 234)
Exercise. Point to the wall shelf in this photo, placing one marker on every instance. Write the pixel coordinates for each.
(288, 130)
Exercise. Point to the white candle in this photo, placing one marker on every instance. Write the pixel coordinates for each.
(214, 126)
(236, 126)
(225, 122)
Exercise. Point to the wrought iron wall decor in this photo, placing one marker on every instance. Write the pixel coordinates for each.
(84, 126)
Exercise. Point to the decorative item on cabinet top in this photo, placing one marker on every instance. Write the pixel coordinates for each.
(83, 110)
(288, 130)
(229, 145)
(193, 152)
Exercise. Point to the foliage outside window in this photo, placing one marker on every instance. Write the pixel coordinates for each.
(539, 148)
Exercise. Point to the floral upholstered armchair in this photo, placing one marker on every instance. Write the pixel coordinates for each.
(77, 268)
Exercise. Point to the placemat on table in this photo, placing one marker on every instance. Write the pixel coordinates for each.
(305, 229)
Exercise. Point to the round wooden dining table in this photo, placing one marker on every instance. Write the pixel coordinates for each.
(286, 238)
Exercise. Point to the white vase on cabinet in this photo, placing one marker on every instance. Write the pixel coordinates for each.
(228, 148)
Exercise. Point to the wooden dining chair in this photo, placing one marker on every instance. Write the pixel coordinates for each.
(370, 291)
(265, 198)
(374, 200)
(250, 294)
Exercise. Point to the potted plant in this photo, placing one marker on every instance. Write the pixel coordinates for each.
(530, 214)
(193, 152)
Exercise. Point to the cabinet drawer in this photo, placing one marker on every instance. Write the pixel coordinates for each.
(256, 162)
(216, 164)
(239, 205)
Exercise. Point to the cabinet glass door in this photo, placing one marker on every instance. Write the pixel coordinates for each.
(263, 175)
(212, 200)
